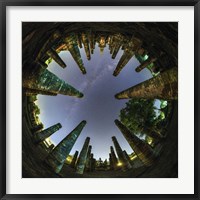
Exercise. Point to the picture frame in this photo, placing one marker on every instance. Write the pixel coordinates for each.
(3, 183)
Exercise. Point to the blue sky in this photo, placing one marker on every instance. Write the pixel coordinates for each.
(98, 106)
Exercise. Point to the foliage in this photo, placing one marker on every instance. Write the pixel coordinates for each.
(36, 109)
(138, 115)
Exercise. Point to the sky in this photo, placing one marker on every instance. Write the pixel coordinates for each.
(98, 106)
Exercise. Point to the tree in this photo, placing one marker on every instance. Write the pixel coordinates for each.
(36, 109)
(139, 116)
(99, 162)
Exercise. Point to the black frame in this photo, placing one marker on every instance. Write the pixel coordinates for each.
(5, 3)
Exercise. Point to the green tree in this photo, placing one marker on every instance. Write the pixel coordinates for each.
(140, 117)
(36, 109)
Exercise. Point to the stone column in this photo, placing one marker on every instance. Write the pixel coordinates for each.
(80, 165)
(126, 155)
(114, 157)
(141, 149)
(145, 64)
(127, 55)
(102, 43)
(125, 163)
(30, 92)
(88, 159)
(111, 44)
(116, 50)
(39, 137)
(164, 86)
(73, 163)
(51, 147)
(92, 42)
(129, 52)
(86, 45)
(153, 134)
(54, 55)
(118, 39)
(59, 154)
(44, 80)
(72, 46)
(93, 163)
(111, 162)
(79, 41)
(37, 128)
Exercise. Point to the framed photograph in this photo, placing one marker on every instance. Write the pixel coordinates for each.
(99, 99)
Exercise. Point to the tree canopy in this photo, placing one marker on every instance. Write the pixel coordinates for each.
(138, 115)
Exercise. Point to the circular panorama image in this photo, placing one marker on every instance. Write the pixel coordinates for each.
(100, 100)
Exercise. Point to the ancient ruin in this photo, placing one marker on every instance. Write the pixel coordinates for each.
(153, 44)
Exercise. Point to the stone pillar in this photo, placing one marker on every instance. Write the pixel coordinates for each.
(141, 149)
(111, 162)
(74, 50)
(93, 163)
(114, 158)
(145, 64)
(88, 159)
(125, 163)
(116, 50)
(43, 64)
(153, 134)
(37, 128)
(92, 42)
(127, 55)
(59, 154)
(54, 39)
(118, 39)
(86, 45)
(80, 165)
(39, 137)
(41, 79)
(126, 155)
(79, 41)
(30, 92)
(54, 55)
(51, 147)
(164, 86)
(102, 43)
(111, 44)
(129, 52)
(73, 163)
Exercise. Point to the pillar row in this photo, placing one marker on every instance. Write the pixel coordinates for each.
(142, 149)
(86, 45)
(80, 165)
(120, 153)
(59, 154)
(129, 51)
(71, 42)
